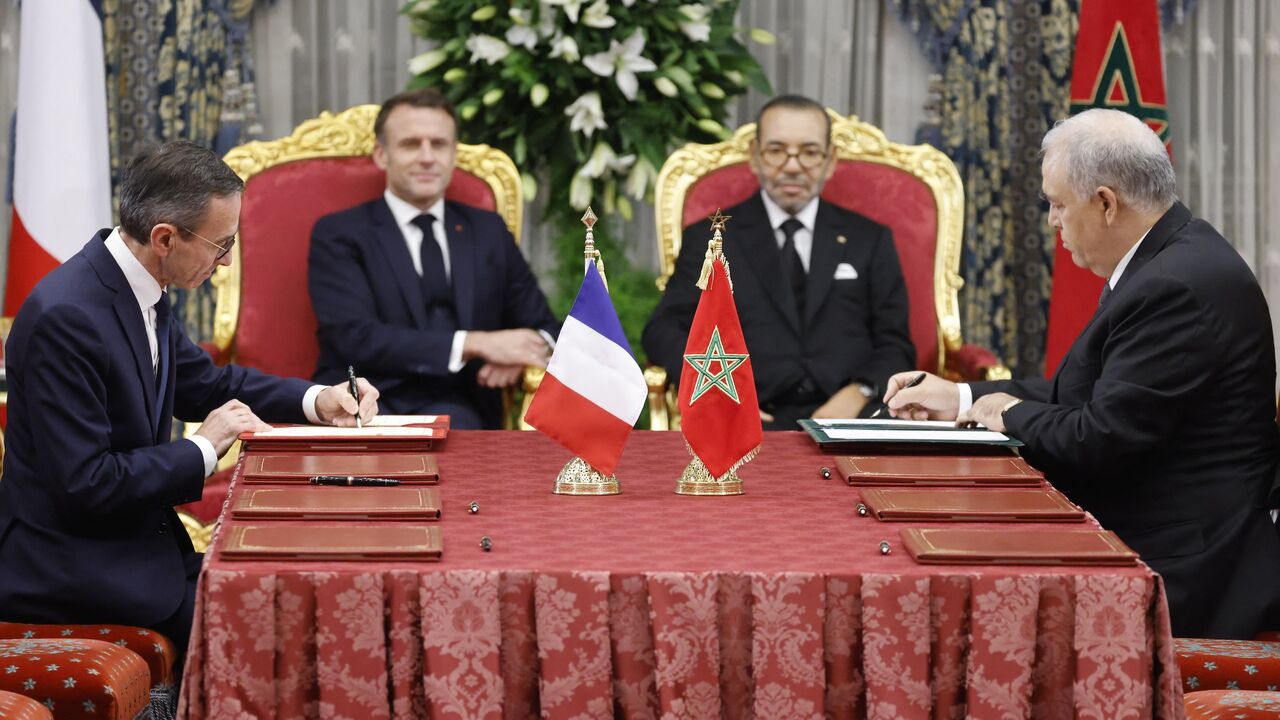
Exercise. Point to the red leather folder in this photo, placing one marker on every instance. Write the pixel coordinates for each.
(314, 438)
(970, 505)
(331, 541)
(943, 470)
(408, 468)
(337, 503)
(1005, 546)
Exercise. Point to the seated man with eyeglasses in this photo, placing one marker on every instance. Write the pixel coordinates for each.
(819, 290)
(98, 367)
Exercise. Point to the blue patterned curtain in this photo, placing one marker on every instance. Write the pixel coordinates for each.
(1004, 70)
(179, 70)
(1004, 76)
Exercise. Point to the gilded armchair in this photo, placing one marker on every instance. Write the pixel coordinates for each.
(913, 189)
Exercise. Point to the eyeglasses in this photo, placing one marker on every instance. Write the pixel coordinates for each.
(809, 157)
(222, 251)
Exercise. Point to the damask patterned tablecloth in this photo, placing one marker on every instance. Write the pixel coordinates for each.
(774, 604)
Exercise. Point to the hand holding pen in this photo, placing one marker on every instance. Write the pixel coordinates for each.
(921, 396)
(354, 387)
(914, 382)
(347, 404)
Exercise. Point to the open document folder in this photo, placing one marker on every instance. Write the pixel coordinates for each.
(852, 434)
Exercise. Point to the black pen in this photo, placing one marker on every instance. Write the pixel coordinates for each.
(353, 480)
(914, 382)
(355, 392)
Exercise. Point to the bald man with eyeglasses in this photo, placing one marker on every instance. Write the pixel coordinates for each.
(818, 288)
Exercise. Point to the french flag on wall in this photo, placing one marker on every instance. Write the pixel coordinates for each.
(593, 391)
(61, 165)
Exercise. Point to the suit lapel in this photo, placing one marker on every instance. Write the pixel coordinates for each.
(462, 263)
(822, 263)
(391, 240)
(760, 247)
(128, 314)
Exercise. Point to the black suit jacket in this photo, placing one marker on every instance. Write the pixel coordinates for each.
(371, 313)
(1160, 421)
(87, 528)
(853, 329)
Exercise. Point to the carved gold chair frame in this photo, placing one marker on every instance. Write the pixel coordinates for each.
(350, 134)
(346, 134)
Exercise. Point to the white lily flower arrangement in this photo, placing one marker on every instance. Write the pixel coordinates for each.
(589, 97)
(636, 77)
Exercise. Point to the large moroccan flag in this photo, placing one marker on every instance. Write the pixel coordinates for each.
(720, 416)
(61, 165)
(1118, 65)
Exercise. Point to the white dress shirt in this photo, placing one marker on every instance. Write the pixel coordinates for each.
(147, 291)
(404, 213)
(807, 216)
(966, 393)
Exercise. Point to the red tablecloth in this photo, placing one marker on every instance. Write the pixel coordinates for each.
(775, 604)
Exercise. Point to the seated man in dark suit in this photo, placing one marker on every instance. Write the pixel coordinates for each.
(97, 369)
(429, 298)
(1160, 420)
(818, 288)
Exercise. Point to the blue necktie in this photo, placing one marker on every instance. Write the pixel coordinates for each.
(163, 316)
(435, 284)
(437, 291)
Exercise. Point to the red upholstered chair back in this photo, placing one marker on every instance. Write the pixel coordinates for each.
(888, 195)
(264, 317)
(915, 190)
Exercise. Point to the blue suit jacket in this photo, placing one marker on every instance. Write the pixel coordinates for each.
(371, 313)
(87, 527)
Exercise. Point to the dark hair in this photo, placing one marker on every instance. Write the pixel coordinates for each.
(172, 183)
(420, 98)
(795, 102)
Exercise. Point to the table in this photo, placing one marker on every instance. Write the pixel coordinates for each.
(775, 604)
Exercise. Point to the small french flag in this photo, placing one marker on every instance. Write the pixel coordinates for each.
(594, 390)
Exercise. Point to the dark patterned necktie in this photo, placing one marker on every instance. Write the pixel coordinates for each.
(435, 284)
(789, 259)
(163, 315)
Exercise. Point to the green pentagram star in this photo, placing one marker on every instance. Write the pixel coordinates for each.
(722, 378)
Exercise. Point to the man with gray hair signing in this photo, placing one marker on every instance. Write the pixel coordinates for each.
(1160, 420)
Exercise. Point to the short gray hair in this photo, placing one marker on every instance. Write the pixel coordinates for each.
(1111, 148)
(172, 183)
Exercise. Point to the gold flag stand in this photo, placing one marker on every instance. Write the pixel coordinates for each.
(696, 478)
(577, 477)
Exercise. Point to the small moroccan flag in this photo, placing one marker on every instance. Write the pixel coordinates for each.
(720, 416)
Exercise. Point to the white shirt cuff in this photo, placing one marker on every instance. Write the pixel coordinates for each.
(309, 404)
(966, 398)
(546, 337)
(206, 449)
(455, 352)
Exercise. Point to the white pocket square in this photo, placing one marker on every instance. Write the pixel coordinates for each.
(845, 271)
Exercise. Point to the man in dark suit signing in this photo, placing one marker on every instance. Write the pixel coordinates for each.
(97, 369)
(429, 298)
(818, 288)
(1160, 420)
